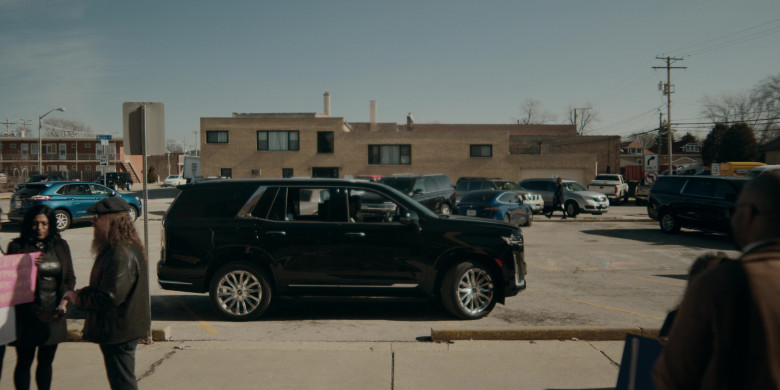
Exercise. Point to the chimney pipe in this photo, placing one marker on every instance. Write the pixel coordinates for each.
(372, 115)
(409, 122)
(326, 98)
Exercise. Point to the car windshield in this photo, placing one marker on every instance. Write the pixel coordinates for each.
(573, 186)
(507, 185)
(403, 184)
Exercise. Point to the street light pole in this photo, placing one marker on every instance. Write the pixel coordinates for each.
(40, 138)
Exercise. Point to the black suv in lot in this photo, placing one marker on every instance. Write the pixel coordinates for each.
(433, 191)
(694, 202)
(246, 242)
(116, 180)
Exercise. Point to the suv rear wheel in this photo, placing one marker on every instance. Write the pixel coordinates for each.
(467, 291)
(240, 291)
(62, 219)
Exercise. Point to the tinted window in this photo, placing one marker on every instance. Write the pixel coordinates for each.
(212, 202)
(264, 204)
(443, 182)
(668, 185)
(430, 184)
(506, 185)
(30, 190)
(699, 188)
(723, 189)
(534, 185)
(463, 185)
(606, 177)
(478, 197)
(509, 198)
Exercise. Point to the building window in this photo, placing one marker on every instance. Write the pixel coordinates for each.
(217, 137)
(89, 168)
(13, 146)
(634, 150)
(481, 151)
(50, 148)
(226, 172)
(390, 154)
(277, 140)
(74, 168)
(693, 148)
(287, 172)
(74, 145)
(324, 142)
(87, 146)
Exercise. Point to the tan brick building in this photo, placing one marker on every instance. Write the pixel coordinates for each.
(308, 144)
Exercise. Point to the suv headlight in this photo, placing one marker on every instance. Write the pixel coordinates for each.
(515, 239)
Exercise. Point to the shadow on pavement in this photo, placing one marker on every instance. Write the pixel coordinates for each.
(689, 238)
(198, 308)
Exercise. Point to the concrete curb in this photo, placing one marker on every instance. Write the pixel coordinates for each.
(541, 333)
(75, 334)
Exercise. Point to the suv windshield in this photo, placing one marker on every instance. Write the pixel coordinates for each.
(506, 185)
(403, 184)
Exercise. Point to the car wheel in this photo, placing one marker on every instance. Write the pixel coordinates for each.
(572, 209)
(133, 213)
(445, 209)
(240, 292)
(467, 291)
(62, 219)
(669, 223)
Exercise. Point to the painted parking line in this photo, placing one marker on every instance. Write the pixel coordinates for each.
(575, 300)
(192, 314)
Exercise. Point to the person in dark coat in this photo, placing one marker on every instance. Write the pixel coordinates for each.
(117, 299)
(558, 199)
(41, 324)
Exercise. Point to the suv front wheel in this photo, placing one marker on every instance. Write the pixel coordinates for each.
(467, 291)
(669, 223)
(240, 292)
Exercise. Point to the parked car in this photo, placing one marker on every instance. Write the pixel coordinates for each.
(117, 180)
(496, 204)
(433, 191)
(642, 192)
(763, 169)
(576, 198)
(234, 240)
(174, 180)
(40, 178)
(70, 200)
(468, 184)
(695, 202)
(373, 178)
(612, 185)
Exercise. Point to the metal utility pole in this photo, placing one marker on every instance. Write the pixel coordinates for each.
(668, 90)
(7, 124)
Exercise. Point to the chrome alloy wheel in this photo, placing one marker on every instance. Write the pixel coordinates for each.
(239, 292)
(475, 290)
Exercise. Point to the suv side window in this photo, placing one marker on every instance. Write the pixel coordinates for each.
(442, 182)
(418, 185)
(509, 198)
(723, 189)
(699, 188)
(668, 185)
(430, 184)
(212, 202)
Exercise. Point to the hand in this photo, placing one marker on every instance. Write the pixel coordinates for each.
(72, 296)
(39, 259)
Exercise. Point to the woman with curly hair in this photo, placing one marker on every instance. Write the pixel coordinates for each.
(41, 324)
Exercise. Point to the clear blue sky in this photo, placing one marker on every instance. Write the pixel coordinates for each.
(452, 61)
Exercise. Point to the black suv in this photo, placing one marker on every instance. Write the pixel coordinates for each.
(468, 184)
(432, 191)
(248, 241)
(695, 202)
(116, 180)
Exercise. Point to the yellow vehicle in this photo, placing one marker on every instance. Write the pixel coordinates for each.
(738, 168)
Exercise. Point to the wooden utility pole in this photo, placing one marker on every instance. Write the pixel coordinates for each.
(668, 90)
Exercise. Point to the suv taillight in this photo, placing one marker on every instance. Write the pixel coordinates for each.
(39, 197)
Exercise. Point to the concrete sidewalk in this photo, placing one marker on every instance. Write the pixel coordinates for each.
(346, 365)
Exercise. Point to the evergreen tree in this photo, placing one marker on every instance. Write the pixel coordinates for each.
(738, 144)
(711, 146)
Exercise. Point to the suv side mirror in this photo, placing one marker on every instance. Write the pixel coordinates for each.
(410, 217)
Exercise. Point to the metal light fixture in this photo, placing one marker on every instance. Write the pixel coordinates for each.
(40, 139)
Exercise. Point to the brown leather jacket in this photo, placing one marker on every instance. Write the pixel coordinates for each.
(117, 298)
(711, 344)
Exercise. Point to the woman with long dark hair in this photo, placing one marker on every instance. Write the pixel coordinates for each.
(41, 324)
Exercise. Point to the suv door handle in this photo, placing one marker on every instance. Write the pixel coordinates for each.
(276, 233)
(355, 235)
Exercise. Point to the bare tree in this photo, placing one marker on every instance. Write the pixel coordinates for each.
(533, 113)
(647, 139)
(62, 128)
(172, 146)
(582, 117)
(759, 108)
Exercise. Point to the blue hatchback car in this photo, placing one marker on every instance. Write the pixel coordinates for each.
(496, 204)
(69, 200)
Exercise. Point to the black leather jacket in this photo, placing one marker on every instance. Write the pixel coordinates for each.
(117, 298)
